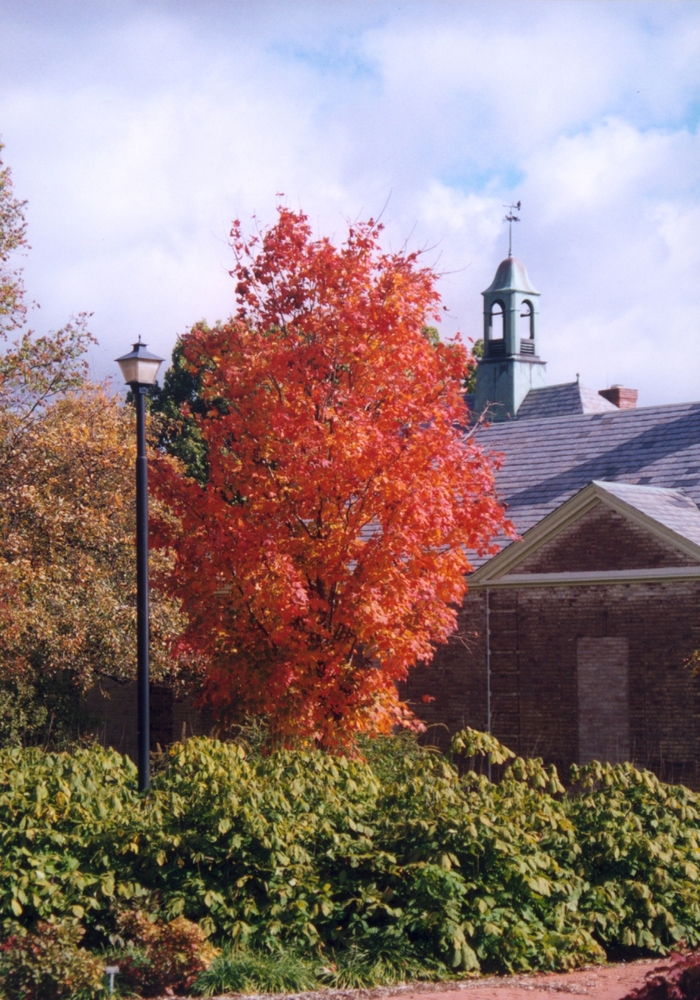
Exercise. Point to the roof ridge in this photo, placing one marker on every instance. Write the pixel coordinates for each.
(622, 413)
(606, 484)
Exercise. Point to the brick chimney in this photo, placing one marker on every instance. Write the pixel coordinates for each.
(625, 399)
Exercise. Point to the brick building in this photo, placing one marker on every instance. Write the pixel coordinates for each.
(572, 642)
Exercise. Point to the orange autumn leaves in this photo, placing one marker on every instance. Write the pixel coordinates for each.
(327, 551)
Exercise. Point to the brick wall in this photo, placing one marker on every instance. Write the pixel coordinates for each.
(455, 678)
(602, 540)
(535, 644)
(603, 693)
(111, 715)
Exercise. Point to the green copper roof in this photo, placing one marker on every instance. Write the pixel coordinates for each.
(511, 276)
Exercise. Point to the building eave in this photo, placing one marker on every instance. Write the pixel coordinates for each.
(572, 510)
(666, 574)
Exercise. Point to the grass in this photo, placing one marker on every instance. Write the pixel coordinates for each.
(243, 970)
(239, 970)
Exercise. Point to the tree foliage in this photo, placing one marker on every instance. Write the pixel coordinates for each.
(326, 551)
(177, 405)
(477, 352)
(67, 547)
(34, 369)
(13, 239)
(67, 568)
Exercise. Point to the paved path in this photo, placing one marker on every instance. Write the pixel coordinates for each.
(609, 982)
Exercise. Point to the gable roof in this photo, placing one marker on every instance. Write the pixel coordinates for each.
(563, 400)
(548, 461)
(671, 509)
(668, 514)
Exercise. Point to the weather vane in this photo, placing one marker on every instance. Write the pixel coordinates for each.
(510, 219)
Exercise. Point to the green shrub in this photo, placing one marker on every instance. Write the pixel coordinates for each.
(69, 823)
(377, 869)
(638, 846)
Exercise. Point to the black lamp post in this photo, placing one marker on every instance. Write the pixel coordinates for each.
(140, 370)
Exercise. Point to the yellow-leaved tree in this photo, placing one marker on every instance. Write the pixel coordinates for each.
(67, 535)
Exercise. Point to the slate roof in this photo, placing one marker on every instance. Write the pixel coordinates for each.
(547, 461)
(561, 400)
(672, 508)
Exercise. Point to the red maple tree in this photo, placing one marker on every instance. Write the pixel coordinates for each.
(326, 553)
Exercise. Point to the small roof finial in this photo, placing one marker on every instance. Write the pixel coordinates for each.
(578, 378)
(510, 218)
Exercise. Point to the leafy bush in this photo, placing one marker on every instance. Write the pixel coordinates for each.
(373, 869)
(69, 824)
(161, 957)
(638, 846)
(49, 965)
(679, 980)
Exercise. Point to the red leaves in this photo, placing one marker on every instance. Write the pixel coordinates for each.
(677, 980)
(342, 496)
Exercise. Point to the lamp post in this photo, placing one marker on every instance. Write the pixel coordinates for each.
(140, 370)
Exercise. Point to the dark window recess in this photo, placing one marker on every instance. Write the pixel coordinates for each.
(527, 317)
(527, 346)
(497, 348)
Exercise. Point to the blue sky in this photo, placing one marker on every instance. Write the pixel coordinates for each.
(138, 129)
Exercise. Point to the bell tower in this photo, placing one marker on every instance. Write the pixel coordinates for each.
(511, 364)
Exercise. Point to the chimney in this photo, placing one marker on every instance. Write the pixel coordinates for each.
(624, 399)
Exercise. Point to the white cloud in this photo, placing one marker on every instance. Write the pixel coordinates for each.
(616, 205)
(139, 129)
(613, 164)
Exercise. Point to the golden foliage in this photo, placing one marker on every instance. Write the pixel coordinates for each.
(67, 537)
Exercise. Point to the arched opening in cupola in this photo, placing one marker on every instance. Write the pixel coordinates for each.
(526, 328)
(497, 322)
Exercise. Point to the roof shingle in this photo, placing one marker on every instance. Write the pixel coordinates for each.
(672, 508)
(562, 400)
(547, 461)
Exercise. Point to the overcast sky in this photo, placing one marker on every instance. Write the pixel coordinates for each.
(137, 129)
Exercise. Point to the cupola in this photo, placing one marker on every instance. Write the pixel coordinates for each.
(511, 364)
